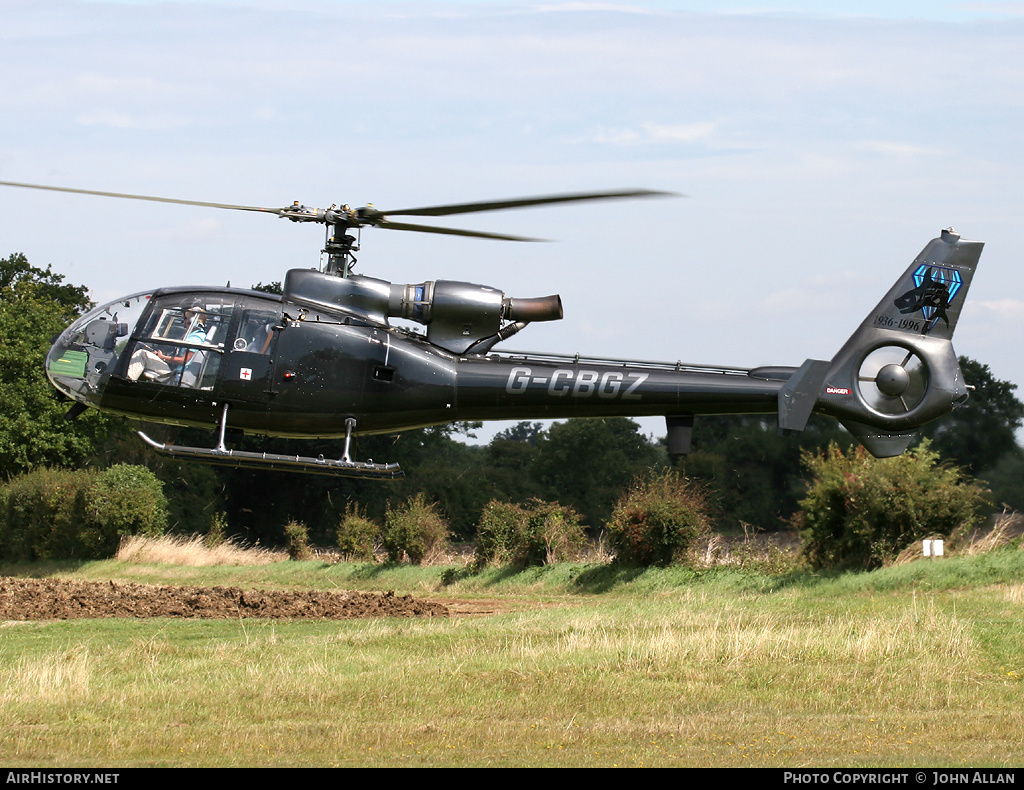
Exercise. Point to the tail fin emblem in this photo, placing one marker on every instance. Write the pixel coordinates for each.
(935, 288)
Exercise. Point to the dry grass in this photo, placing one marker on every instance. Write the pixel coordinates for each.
(59, 677)
(779, 551)
(1006, 526)
(1014, 594)
(695, 678)
(191, 550)
(597, 552)
(771, 552)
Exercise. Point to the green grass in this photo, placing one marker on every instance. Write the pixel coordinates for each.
(917, 665)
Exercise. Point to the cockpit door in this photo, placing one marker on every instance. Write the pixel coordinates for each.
(247, 368)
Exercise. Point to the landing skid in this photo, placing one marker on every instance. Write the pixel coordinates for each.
(240, 459)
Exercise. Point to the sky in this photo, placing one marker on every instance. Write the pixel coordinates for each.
(815, 147)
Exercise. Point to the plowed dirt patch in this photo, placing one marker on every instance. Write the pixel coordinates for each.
(69, 599)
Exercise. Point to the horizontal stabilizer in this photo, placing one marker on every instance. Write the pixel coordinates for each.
(799, 396)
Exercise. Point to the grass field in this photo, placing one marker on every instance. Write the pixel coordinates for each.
(575, 665)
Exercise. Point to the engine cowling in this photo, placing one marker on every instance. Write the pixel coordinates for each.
(457, 314)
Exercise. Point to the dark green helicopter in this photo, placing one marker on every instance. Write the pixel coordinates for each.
(324, 359)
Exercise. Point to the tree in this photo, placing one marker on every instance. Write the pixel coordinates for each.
(1006, 482)
(979, 433)
(35, 305)
(21, 280)
(528, 432)
(586, 463)
(753, 475)
(508, 464)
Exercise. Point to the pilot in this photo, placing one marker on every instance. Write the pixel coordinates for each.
(157, 365)
(195, 332)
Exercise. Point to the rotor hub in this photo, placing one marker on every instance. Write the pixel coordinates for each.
(893, 380)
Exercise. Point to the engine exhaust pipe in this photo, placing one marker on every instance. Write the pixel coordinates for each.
(541, 308)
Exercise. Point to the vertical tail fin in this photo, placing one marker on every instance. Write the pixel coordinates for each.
(928, 298)
(898, 370)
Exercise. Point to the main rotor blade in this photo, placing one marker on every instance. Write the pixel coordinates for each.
(388, 225)
(142, 197)
(494, 205)
(375, 217)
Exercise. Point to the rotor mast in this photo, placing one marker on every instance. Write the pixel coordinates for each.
(339, 246)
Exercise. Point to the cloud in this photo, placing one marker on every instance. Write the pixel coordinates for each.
(605, 7)
(1010, 9)
(96, 84)
(1004, 309)
(196, 231)
(890, 148)
(124, 120)
(653, 133)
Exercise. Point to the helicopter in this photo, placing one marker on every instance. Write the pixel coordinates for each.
(325, 360)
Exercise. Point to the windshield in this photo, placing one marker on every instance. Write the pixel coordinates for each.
(87, 351)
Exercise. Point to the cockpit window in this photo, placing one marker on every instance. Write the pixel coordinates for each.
(256, 330)
(182, 342)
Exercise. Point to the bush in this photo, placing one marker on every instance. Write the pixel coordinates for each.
(860, 511)
(497, 533)
(41, 514)
(297, 537)
(218, 532)
(124, 500)
(539, 533)
(65, 514)
(414, 530)
(658, 520)
(357, 534)
(554, 533)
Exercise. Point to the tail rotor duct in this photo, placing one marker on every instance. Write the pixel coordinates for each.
(893, 380)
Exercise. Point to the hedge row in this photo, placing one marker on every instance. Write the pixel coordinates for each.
(78, 514)
(859, 512)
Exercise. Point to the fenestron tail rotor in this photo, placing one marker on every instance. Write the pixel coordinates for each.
(893, 380)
